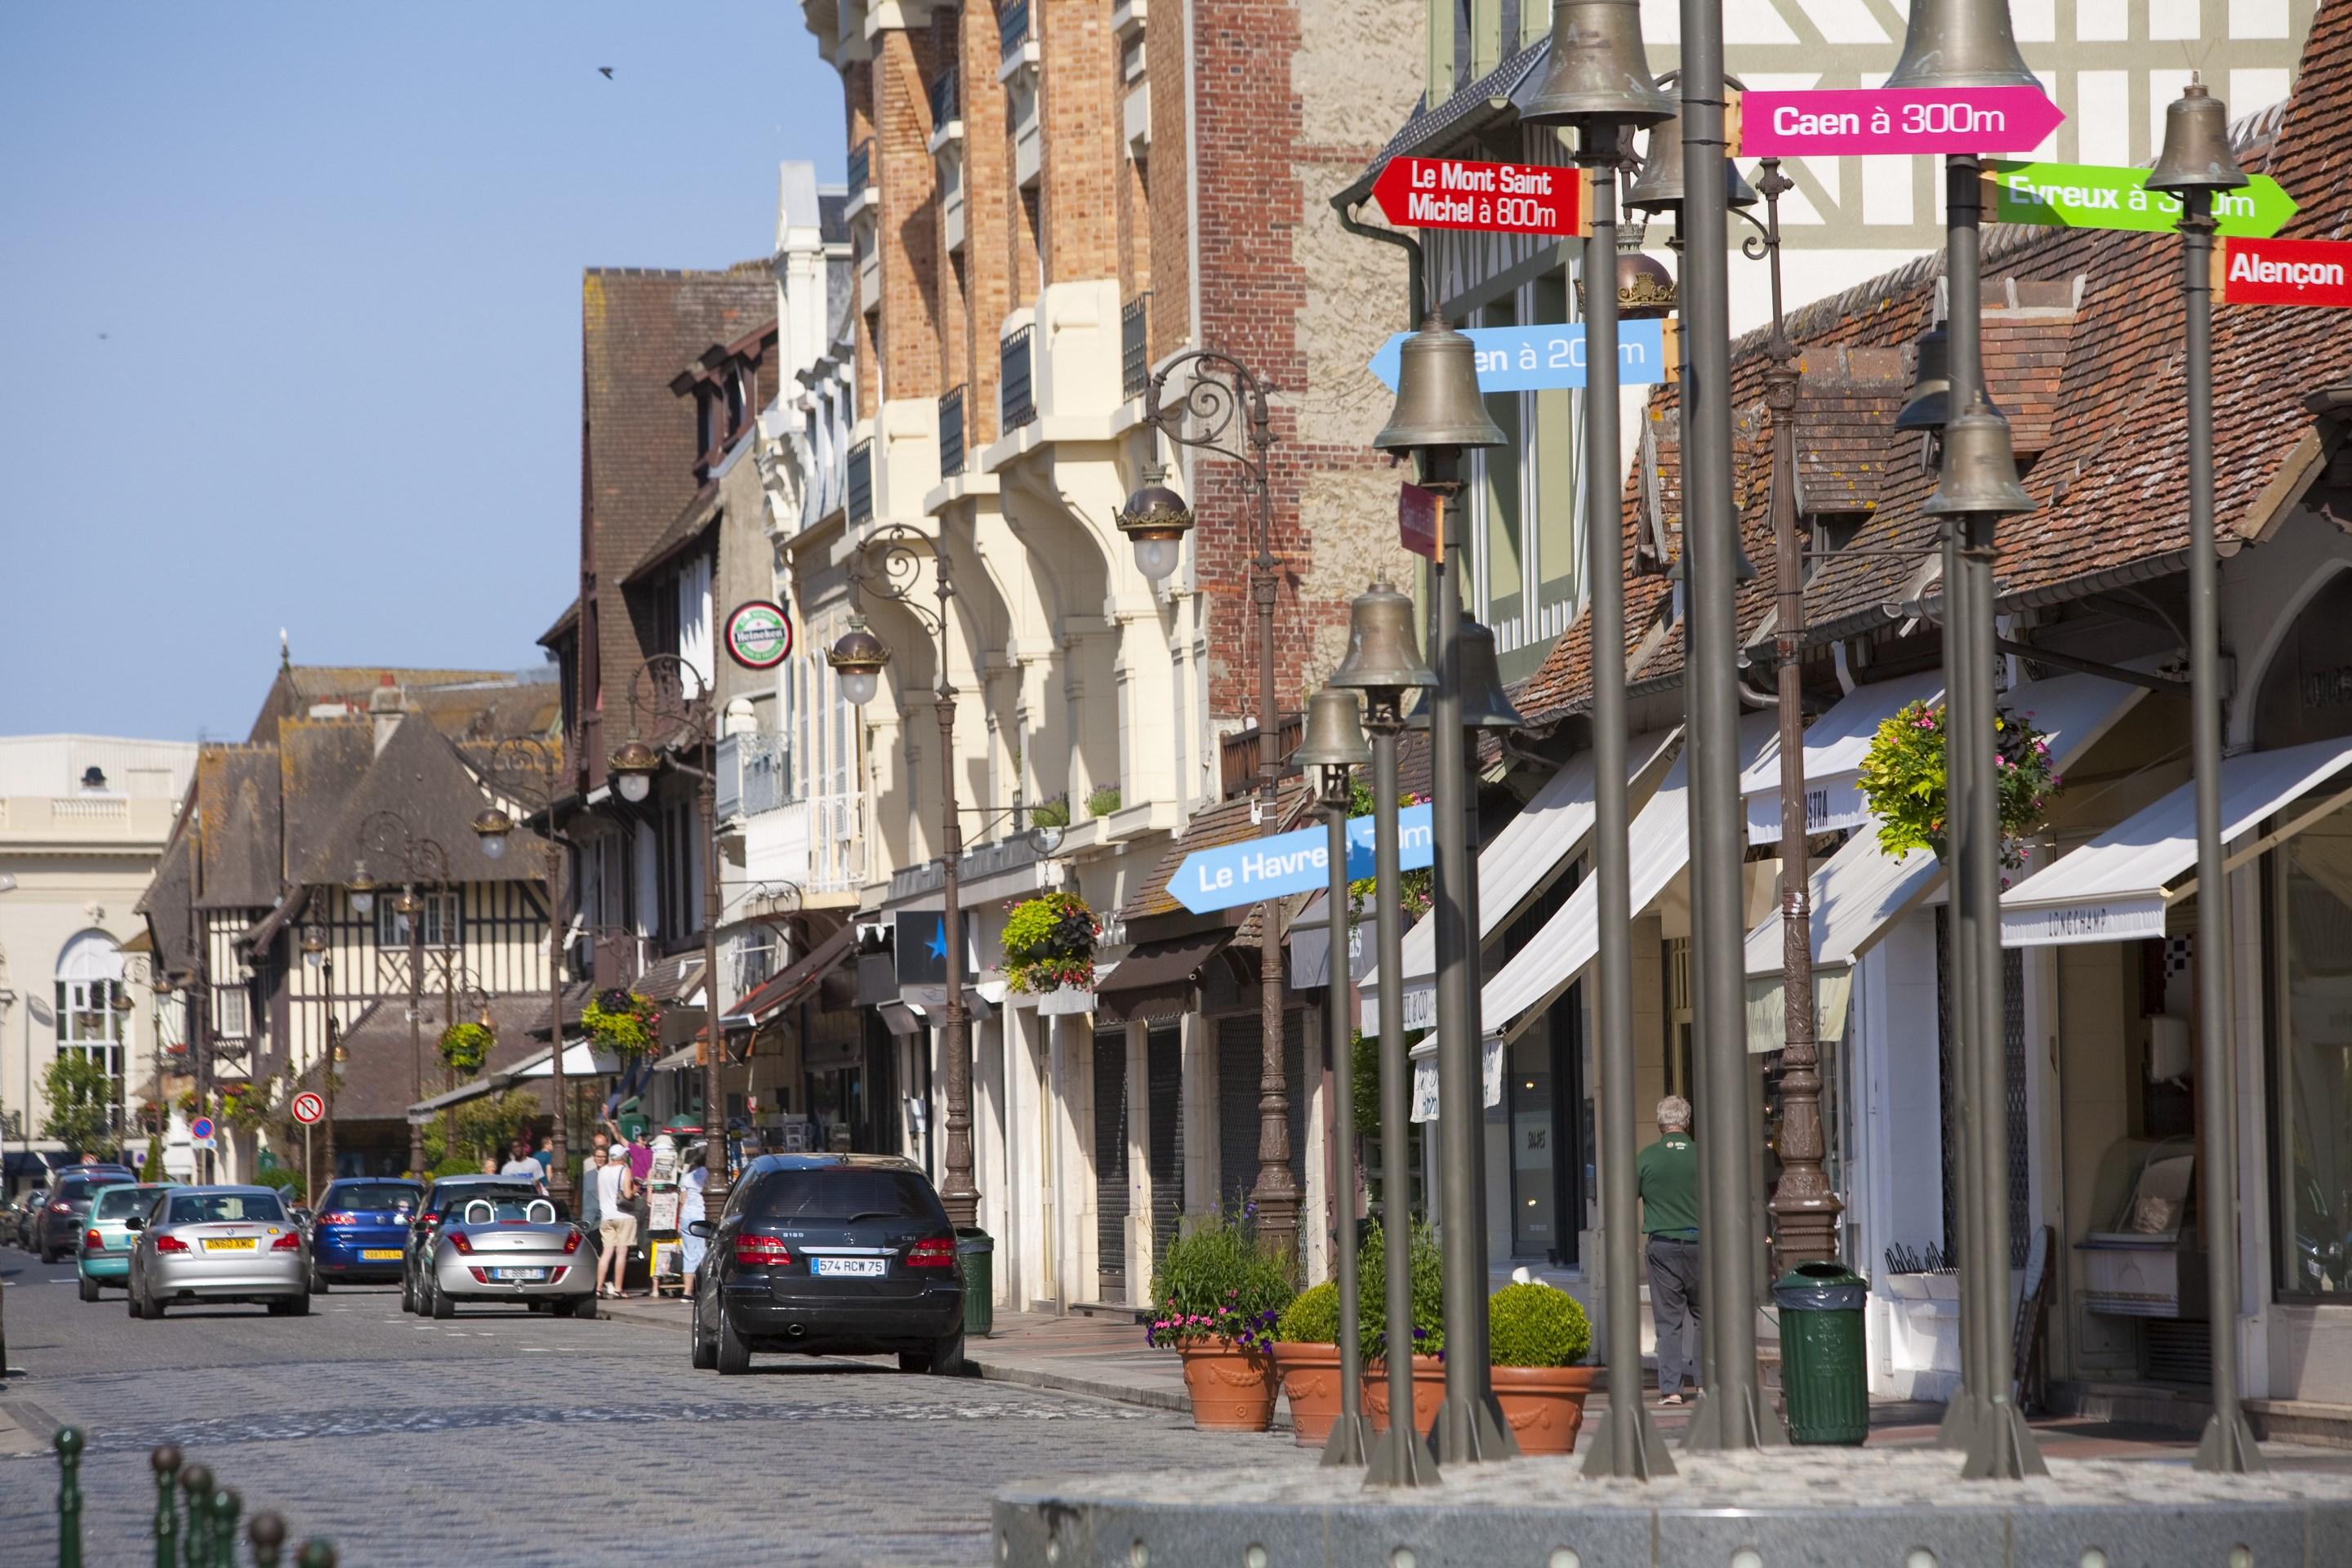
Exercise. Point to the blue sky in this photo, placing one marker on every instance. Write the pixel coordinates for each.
(292, 325)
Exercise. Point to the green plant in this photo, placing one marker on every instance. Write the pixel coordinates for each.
(1049, 943)
(80, 1097)
(246, 1107)
(1103, 802)
(150, 1169)
(620, 1020)
(455, 1165)
(1312, 1318)
(1364, 1078)
(285, 1178)
(466, 1047)
(1050, 813)
(1416, 890)
(1536, 1325)
(1904, 783)
(1219, 1283)
(1428, 1274)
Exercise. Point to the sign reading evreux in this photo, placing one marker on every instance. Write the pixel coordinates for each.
(2088, 195)
(2283, 272)
(1831, 121)
(1501, 198)
(1236, 874)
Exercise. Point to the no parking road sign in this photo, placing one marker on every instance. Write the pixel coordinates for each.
(200, 1131)
(309, 1109)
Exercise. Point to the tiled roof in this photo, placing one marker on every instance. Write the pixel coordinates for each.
(379, 1075)
(1846, 401)
(237, 791)
(420, 775)
(1226, 822)
(320, 762)
(1490, 98)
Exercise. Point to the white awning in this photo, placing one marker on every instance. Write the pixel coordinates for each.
(580, 1061)
(2114, 888)
(1514, 865)
(1658, 842)
(1835, 744)
(1860, 890)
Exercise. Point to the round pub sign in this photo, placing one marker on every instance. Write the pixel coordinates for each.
(759, 634)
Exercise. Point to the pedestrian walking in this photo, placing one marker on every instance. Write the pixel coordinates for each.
(1666, 1178)
(617, 1224)
(545, 1156)
(691, 1210)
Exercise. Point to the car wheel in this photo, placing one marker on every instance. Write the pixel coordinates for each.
(914, 1361)
(47, 1257)
(298, 1306)
(407, 1295)
(154, 1308)
(318, 1285)
(581, 1306)
(946, 1356)
(442, 1307)
(130, 1299)
(730, 1355)
(88, 1288)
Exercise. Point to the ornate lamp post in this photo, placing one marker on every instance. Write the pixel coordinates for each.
(1383, 661)
(422, 860)
(528, 770)
(2197, 162)
(668, 691)
(1224, 410)
(319, 955)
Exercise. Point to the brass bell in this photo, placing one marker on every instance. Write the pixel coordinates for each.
(1979, 475)
(1600, 73)
(1658, 186)
(1742, 568)
(1437, 400)
(1384, 652)
(2197, 152)
(1931, 384)
(1485, 704)
(1335, 731)
(1960, 43)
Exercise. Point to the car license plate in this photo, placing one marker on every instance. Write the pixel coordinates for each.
(868, 1266)
(520, 1276)
(379, 1254)
(233, 1244)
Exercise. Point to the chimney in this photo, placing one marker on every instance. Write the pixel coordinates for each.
(384, 710)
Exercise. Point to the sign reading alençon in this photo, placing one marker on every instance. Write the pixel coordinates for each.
(1500, 198)
(2283, 272)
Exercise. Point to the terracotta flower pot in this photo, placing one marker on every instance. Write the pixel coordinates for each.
(1544, 1405)
(1232, 1389)
(1428, 1392)
(1310, 1376)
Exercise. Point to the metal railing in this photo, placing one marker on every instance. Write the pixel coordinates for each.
(861, 167)
(951, 433)
(1135, 346)
(1012, 27)
(945, 105)
(1015, 400)
(1237, 754)
(861, 481)
(195, 1521)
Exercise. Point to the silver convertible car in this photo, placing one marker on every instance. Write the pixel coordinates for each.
(508, 1248)
(218, 1243)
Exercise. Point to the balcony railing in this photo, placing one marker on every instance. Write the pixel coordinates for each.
(951, 433)
(1015, 398)
(1012, 27)
(1237, 754)
(944, 104)
(861, 481)
(1135, 346)
(861, 167)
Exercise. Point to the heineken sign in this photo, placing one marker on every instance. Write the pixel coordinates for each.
(759, 634)
(2086, 195)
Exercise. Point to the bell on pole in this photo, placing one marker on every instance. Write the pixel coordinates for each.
(1931, 384)
(1979, 477)
(2197, 152)
(1438, 404)
(1600, 73)
(1960, 43)
(1335, 731)
(1658, 184)
(1383, 653)
(1486, 705)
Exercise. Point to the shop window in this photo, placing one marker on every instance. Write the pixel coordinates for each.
(2310, 898)
(439, 921)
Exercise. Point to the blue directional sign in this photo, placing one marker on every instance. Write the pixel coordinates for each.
(1236, 874)
(1543, 359)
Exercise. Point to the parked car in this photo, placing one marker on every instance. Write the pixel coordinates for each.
(360, 1232)
(22, 1216)
(61, 1227)
(447, 1194)
(830, 1254)
(218, 1243)
(102, 1255)
(508, 1248)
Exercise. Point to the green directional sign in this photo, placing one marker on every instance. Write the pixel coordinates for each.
(2084, 196)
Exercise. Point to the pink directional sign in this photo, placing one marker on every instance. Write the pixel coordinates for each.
(1828, 121)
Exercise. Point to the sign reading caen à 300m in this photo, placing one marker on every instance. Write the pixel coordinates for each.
(1500, 198)
(1827, 121)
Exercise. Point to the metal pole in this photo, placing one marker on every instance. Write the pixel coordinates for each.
(200, 1022)
(1401, 1456)
(960, 1194)
(417, 1043)
(559, 1172)
(714, 1108)
(1627, 1446)
(327, 1077)
(1730, 1413)
(2228, 1446)
(1275, 1193)
(1350, 1436)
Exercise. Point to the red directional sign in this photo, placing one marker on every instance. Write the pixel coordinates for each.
(2283, 272)
(1500, 198)
(308, 1108)
(1828, 121)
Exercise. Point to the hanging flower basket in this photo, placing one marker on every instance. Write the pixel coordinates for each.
(1903, 782)
(1416, 890)
(1049, 944)
(622, 1021)
(466, 1047)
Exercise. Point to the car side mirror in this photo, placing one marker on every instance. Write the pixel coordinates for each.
(134, 1223)
(701, 1228)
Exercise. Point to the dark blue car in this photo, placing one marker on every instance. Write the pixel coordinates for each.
(361, 1230)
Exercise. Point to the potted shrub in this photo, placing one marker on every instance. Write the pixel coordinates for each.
(1306, 1356)
(465, 1046)
(622, 1021)
(1049, 944)
(1221, 1299)
(1428, 1334)
(1103, 802)
(1538, 1337)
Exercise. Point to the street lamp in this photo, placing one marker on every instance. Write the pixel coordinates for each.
(362, 889)
(1383, 660)
(320, 957)
(1333, 744)
(1224, 410)
(634, 765)
(387, 833)
(2196, 162)
(859, 657)
(1600, 83)
(528, 769)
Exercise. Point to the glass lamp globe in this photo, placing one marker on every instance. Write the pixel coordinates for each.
(1156, 558)
(635, 787)
(860, 686)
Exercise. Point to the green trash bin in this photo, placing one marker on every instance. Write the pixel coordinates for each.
(1823, 1357)
(976, 1254)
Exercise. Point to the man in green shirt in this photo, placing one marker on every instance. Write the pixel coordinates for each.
(1666, 1177)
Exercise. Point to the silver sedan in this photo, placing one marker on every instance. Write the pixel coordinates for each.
(511, 1249)
(218, 1243)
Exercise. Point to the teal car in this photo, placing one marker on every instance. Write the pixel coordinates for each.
(102, 1255)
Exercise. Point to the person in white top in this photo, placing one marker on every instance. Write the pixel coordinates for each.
(618, 1227)
(689, 1210)
(523, 1167)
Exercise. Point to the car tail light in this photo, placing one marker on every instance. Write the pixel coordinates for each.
(932, 1252)
(169, 1243)
(338, 1217)
(571, 1243)
(290, 1242)
(457, 1239)
(481, 1276)
(61, 1209)
(556, 1274)
(761, 1249)
(92, 1240)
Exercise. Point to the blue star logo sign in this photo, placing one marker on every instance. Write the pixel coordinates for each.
(938, 944)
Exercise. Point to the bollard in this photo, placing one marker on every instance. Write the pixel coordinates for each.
(196, 1541)
(165, 1460)
(316, 1554)
(68, 1443)
(225, 1504)
(267, 1534)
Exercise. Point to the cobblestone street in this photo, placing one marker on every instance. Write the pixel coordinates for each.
(511, 1438)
